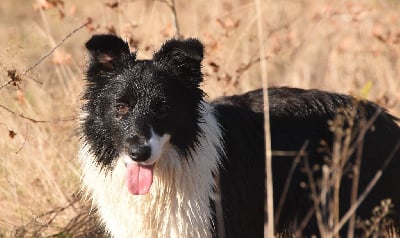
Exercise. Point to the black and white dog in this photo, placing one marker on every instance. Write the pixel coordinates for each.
(152, 147)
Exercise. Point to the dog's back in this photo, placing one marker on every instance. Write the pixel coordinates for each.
(297, 117)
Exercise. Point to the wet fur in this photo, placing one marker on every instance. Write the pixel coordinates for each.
(223, 138)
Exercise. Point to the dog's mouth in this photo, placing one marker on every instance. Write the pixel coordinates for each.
(139, 175)
(139, 178)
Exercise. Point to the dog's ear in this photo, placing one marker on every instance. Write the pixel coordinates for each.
(183, 58)
(107, 52)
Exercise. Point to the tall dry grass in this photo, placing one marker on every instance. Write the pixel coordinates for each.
(343, 46)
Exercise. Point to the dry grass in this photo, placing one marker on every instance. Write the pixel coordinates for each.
(343, 46)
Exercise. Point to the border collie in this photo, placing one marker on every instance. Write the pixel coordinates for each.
(152, 148)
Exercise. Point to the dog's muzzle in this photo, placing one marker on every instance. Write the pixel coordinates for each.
(138, 148)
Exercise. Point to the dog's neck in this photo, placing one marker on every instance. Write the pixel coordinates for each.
(178, 204)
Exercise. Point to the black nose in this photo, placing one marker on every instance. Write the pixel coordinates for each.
(138, 149)
(140, 153)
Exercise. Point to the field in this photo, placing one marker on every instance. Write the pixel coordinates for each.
(342, 46)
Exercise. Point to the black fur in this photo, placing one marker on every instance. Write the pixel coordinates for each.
(297, 116)
(125, 96)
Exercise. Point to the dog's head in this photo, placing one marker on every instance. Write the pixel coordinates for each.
(134, 108)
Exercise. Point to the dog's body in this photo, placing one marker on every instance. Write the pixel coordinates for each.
(152, 147)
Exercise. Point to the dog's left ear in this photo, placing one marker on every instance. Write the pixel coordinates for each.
(183, 58)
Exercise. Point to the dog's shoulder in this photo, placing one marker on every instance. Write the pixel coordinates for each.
(252, 100)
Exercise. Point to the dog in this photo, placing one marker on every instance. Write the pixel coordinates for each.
(158, 160)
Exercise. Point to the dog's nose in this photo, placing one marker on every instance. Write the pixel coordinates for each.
(140, 153)
(138, 149)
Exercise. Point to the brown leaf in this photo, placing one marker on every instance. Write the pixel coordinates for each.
(133, 42)
(12, 134)
(20, 96)
(42, 4)
(168, 30)
(15, 78)
(228, 23)
(61, 13)
(47, 4)
(111, 29)
(56, 3)
(90, 26)
(112, 4)
(214, 66)
(381, 33)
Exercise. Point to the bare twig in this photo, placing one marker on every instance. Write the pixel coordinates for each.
(55, 47)
(304, 222)
(5, 84)
(367, 190)
(314, 196)
(23, 143)
(16, 78)
(83, 224)
(172, 6)
(335, 172)
(21, 115)
(348, 151)
(356, 178)
(286, 187)
(269, 205)
(50, 218)
(244, 67)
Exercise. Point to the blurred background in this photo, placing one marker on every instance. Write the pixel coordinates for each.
(350, 47)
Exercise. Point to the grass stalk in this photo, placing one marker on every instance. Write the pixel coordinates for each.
(269, 205)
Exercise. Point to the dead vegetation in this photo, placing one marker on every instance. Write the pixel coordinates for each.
(343, 46)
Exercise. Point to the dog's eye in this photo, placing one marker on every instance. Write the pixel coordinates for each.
(160, 107)
(121, 109)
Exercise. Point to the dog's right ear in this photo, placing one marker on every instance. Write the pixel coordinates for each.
(107, 53)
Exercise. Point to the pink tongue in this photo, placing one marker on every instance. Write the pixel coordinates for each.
(139, 178)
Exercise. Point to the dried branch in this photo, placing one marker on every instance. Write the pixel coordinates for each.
(21, 115)
(314, 196)
(244, 67)
(305, 220)
(36, 228)
(269, 203)
(172, 6)
(55, 47)
(356, 172)
(366, 191)
(286, 187)
(16, 78)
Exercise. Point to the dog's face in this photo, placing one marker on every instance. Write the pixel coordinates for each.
(134, 108)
